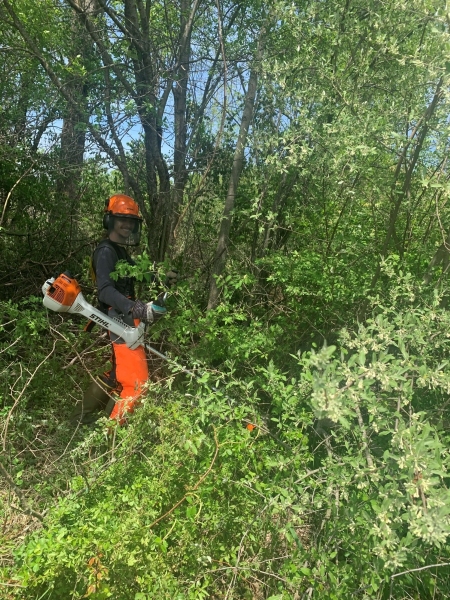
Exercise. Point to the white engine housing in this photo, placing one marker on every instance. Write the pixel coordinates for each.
(133, 336)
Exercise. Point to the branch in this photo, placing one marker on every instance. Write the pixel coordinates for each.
(8, 197)
(106, 57)
(420, 569)
(112, 127)
(396, 208)
(119, 24)
(236, 170)
(193, 489)
(17, 400)
(185, 35)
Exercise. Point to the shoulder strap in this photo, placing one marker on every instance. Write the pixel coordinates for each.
(124, 284)
(120, 252)
(106, 243)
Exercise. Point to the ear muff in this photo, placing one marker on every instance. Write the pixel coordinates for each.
(106, 220)
(106, 216)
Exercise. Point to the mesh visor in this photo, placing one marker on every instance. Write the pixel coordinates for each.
(126, 229)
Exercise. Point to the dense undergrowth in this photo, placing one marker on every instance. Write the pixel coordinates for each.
(269, 476)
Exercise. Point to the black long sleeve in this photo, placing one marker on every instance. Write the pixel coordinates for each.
(105, 260)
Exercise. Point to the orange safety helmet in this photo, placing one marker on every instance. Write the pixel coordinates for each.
(122, 206)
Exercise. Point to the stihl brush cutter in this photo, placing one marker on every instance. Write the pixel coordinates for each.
(63, 294)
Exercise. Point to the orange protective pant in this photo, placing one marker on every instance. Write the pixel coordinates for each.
(131, 374)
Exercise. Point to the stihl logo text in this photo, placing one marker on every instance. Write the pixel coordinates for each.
(99, 320)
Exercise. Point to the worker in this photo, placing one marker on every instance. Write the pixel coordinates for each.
(118, 390)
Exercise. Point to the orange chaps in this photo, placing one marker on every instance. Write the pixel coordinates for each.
(131, 371)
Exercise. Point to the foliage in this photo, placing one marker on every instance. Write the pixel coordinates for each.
(308, 457)
(189, 551)
(343, 466)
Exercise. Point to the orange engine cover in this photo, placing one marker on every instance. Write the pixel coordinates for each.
(64, 290)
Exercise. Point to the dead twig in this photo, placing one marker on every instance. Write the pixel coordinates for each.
(79, 356)
(17, 400)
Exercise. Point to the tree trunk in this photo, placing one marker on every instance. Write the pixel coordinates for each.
(73, 134)
(399, 197)
(236, 170)
(179, 92)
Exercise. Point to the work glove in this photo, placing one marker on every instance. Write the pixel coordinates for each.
(149, 312)
(171, 279)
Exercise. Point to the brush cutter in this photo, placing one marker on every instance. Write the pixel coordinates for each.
(63, 294)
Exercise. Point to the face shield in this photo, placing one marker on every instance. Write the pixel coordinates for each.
(124, 229)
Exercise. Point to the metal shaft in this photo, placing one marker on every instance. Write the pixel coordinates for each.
(169, 360)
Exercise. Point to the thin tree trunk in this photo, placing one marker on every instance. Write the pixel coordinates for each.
(73, 134)
(179, 92)
(236, 170)
(399, 197)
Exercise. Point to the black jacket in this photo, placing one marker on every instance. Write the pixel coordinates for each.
(115, 294)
